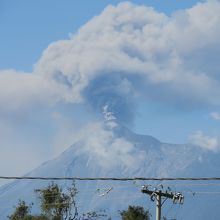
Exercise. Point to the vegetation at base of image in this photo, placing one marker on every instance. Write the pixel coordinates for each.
(135, 212)
(55, 204)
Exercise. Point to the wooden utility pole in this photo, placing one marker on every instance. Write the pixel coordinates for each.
(158, 195)
(158, 206)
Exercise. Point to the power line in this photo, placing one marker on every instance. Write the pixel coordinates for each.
(204, 192)
(192, 184)
(111, 178)
(158, 195)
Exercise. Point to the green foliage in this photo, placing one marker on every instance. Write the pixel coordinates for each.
(21, 211)
(135, 213)
(57, 204)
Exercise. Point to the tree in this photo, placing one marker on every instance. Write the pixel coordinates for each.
(21, 211)
(135, 213)
(55, 205)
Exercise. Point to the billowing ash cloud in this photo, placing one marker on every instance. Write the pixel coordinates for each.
(113, 92)
(130, 51)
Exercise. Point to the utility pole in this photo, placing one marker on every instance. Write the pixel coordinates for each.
(158, 206)
(158, 195)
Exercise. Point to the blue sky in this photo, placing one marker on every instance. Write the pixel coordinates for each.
(39, 132)
(28, 27)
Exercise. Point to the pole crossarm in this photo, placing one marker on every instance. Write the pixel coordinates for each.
(158, 195)
(176, 197)
(158, 192)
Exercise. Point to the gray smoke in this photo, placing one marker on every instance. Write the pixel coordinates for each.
(115, 91)
(126, 52)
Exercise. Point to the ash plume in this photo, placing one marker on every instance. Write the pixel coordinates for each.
(126, 52)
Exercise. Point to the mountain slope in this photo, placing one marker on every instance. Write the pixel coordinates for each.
(114, 151)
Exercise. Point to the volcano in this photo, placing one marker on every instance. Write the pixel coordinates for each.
(111, 150)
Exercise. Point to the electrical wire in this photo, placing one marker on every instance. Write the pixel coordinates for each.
(192, 184)
(116, 198)
(169, 210)
(204, 192)
(177, 212)
(111, 178)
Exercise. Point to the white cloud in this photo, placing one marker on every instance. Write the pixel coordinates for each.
(215, 115)
(100, 142)
(171, 58)
(20, 90)
(205, 141)
(169, 55)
